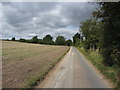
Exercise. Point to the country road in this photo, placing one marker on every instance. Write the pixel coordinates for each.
(74, 71)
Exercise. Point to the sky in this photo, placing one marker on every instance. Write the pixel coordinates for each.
(28, 19)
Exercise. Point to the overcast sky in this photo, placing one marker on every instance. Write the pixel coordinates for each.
(28, 19)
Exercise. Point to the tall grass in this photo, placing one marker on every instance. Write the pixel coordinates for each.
(96, 59)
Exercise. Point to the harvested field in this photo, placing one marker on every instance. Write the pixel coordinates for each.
(23, 64)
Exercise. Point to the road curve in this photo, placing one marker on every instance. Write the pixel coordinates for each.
(74, 71)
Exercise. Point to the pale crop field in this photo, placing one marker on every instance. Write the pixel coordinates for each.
(23, 64)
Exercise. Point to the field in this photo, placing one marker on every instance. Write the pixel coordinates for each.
(23, 64)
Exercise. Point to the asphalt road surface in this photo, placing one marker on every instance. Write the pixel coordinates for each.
(74, 71)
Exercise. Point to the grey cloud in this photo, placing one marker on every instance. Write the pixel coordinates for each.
(78, 12)
(26, 19)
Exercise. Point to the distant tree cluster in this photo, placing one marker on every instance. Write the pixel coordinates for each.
(48, 40)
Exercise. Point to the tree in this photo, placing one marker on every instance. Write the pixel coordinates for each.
(78, 42)
(28, 41)
(60, 40)
(68, 42)
(48, 39)
(110, 38)
(13, 39)
(8, 40)
(77, 35)
(91, 31)
(34, 40)
(40, 41)
(22, 40)
(111, 32)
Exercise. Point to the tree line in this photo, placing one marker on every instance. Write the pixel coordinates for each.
(102, 32)
(48, 40)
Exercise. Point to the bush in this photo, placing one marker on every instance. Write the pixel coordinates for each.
(22, 40)
(60, 40)
(13, 39)
(34, 40)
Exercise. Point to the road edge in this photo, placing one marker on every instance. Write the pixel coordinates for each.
(41, 83)
(107, 81)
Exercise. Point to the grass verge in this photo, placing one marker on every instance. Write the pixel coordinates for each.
(36, 81)
(96, 59)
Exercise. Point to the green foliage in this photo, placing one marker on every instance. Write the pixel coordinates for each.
(68, 42)
(60, 40)
(77, 42)
(22, 40)
(34, 40)
(49, 42)
(103, 32)
(111, 33)
(91, 30)
(40, 41)
(48, 39)
(28, 41)
(13, 39)
(77, 35)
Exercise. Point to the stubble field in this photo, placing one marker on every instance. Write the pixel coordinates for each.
(23, 64)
